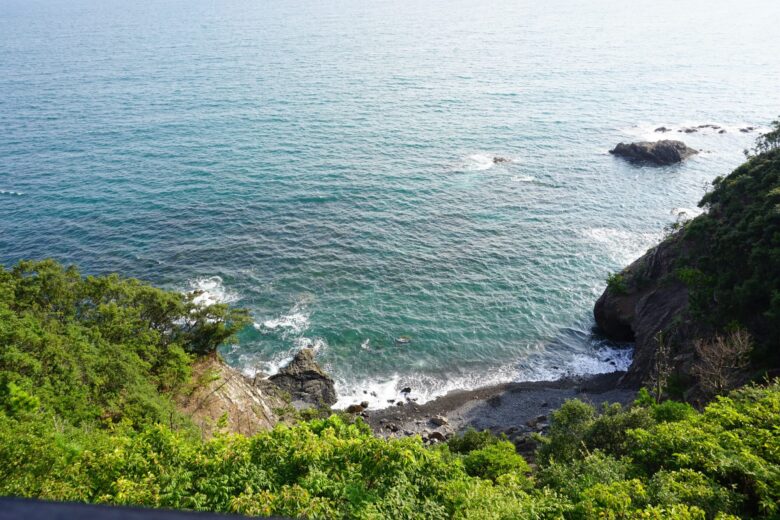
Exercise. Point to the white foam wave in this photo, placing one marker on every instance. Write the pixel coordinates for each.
(684, 214)
(211, 290)
(600, 361)
(523, 178)
(315, 344)
(622, 246)
(11, 192)
(295, 321)
(384, 392)
(478, 162)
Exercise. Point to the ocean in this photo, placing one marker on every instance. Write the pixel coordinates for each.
(330, 165)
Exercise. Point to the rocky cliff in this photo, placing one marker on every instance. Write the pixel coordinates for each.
(644, 299)
(720, 272)
(222, 398)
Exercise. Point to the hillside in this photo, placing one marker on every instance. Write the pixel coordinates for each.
(92, 368)
(716, 277)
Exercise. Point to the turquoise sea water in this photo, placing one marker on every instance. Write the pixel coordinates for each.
(329, 164)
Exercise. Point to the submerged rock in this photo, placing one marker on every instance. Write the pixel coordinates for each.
(659, 153)
(499, 160)
(305, 380)
(663, 129)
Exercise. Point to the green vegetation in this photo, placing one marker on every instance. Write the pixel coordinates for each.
(98, 351)
(616, 283)
(89, 368)
(732, 254)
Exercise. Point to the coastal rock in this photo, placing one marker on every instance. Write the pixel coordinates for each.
(659, 153)
(305, 381)
(438, 420)
(499, 160)
(436, 437)
(647, 299)
(355, 408)
(663, 129)
(222, 391)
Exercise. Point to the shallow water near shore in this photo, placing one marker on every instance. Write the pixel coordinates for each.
(330, 166)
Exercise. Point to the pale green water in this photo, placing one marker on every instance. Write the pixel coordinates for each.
(331, 163)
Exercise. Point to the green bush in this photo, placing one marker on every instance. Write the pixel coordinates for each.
(495, 460)
(686, 486)
(100, 349)
(616, 283)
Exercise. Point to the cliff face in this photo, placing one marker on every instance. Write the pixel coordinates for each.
(647, 298)
(219, 390)
(719, 273)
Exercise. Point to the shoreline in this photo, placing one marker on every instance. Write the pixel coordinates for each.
(516, 409)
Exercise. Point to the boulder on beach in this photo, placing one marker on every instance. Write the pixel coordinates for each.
(305, 380)
(659, 153)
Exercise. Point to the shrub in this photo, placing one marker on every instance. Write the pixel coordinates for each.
(616, 283)
(494, 460)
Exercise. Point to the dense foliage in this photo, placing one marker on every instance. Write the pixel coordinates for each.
(99, 350)
(88, 367)
(733, 254)
(647, 461)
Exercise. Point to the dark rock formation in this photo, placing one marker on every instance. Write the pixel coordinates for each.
(659, 153)
(305, 381)
(650, 299)
(498, 160)
(663, 129)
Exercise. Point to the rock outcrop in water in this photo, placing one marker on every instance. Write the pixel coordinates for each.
(660, 153)
(305, 381)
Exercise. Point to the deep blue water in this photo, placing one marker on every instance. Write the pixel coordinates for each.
(329, 164)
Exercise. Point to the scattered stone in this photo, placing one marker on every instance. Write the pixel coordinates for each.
(399, 403)
(305, 381)
(688, 130)
(439, 420)
(658, 153)
(364, 404)
(391, 401)
(436, 437)
(498, 160)
(747, 129)
(663, 129)
(722, 131)
(355, 408)
(545, 404)
(406, 390)
(392, 427)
